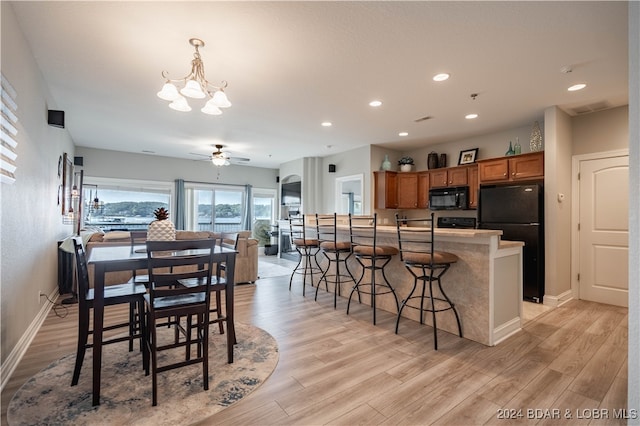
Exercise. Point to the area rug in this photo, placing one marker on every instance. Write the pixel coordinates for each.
(270, 270)
(48, 398)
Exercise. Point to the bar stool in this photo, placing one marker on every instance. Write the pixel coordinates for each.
(372, 256)
(426, 265)
(336, 252)
(307, 248)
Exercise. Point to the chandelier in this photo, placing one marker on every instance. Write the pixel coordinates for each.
(195, 86)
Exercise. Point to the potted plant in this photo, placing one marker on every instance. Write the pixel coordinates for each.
(406, 163)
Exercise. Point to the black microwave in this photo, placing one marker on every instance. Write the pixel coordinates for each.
(452, 198)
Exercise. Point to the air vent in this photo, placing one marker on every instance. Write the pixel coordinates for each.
(585, 109)
(425, 118)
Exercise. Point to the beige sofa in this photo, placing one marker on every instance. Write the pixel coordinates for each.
(246, 270)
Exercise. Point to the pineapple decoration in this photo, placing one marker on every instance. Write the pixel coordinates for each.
(161, 229)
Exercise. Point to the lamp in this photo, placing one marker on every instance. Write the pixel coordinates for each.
(196, 86)
(94, 205)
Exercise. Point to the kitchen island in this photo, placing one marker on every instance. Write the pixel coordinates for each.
(485, 284)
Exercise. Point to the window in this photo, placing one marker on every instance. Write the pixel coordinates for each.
(214, 207)
(264, 215)
(114, 204)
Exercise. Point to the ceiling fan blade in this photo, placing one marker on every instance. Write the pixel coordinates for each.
(204, 157)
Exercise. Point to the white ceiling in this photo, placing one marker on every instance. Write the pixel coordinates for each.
(291, 65)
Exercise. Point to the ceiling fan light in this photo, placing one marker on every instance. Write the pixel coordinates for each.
(211, 108)
(192, 90)
(220, 99)
(180, 104)
(169, 92)
(219, 160)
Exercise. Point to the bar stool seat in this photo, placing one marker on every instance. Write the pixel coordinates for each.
(372, 257)
(427, 266)
(307, 248)
(378, 250)
(425, 258)
(336, 252)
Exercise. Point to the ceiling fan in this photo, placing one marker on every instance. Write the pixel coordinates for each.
(220, 158)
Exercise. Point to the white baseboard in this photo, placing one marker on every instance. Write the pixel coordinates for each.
(506, 330)
(556, 301)
(12, 361)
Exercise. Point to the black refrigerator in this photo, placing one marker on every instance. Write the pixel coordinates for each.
(518, 210)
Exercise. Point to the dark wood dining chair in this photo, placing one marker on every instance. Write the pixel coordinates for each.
(190, 263)
(138, 239)
(129, 292)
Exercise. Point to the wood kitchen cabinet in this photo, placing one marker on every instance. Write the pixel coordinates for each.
(385, 190)
(423, 190)
(407, 190)
(453, 176)
(474, 186)
(513, 168)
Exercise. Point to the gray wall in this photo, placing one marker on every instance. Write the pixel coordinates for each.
(602, 131)
(125, 165)
(31, 221)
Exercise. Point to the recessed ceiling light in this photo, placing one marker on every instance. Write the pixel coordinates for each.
(403, 134)
(575, 87)
(441, 77)
(471, 116)
(375, 103)
(327, 124)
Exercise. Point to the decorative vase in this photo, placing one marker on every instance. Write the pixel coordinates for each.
(517, 149)
(386, 164)
(535, 142)
(443, 161)
(161, 229)
(405, 167)
(432, 160)
(510, 151)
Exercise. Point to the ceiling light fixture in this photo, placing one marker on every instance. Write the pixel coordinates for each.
(327, 124)
(195, 86)
(375, 103)
(471, 116)
(441, 77)
(576, 87)
(219, 158)
(403, 134)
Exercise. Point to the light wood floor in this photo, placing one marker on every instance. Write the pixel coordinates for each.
(339, 369)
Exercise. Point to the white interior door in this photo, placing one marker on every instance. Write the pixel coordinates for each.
(604, 230)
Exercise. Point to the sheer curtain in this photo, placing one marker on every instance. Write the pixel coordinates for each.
(179, 220)
(246, 220)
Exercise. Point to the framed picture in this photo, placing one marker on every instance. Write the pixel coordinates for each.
(468, 156)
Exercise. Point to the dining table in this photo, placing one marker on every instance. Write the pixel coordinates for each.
(128, 258)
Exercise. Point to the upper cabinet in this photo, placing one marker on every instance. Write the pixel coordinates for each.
(513, 168)
(385, 190)
(453, 176)
(423, 190)
(407, 190)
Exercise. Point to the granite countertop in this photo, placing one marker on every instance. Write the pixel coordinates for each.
(453, 232)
